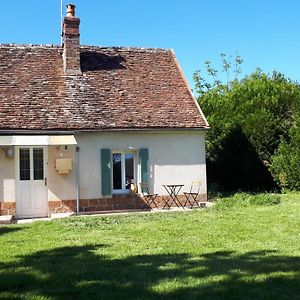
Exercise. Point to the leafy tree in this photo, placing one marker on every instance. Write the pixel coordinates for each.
(262, 106)
(286, 161)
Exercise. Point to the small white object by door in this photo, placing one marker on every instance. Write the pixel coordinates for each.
(31, 182)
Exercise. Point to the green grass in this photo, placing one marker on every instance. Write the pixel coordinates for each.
(246, 250)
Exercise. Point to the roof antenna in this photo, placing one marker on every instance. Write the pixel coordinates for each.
(61, 20)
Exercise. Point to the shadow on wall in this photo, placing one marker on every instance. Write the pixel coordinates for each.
(238, 166)
(94, 61)
(80, 272)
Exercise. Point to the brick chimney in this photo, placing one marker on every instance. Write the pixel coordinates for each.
(71, 43)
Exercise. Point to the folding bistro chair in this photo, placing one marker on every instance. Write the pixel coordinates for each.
(191, 196)
(149, 198)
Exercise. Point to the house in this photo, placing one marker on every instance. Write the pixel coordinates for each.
(80, 124)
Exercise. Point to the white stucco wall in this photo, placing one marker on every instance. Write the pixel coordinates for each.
(7, 178)
(61, 187)
(174, 158)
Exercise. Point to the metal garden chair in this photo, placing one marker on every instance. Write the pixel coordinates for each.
(148, 197)
(192, 195)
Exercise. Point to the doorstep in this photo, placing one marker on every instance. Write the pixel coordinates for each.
(30, 220)
(61, 215)
(51, 217)
(7, 219)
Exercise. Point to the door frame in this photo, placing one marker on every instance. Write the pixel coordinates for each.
(17, 180)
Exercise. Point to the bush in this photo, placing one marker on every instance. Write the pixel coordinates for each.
(246, 199)
(237, 200)
(265, 199)
(213, 191)
(286, 162)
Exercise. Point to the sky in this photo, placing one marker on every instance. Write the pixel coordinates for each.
(265, 33)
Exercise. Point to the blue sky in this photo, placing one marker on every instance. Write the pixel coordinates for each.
(265, 33)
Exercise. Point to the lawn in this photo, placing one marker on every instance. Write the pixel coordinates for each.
(227, 252)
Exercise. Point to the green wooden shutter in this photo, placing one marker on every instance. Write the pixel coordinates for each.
(144, 160)
(106, 171)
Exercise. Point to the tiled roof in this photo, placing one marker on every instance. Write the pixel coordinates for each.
(120, 88)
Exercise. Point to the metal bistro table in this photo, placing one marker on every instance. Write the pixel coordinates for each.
(173, 191)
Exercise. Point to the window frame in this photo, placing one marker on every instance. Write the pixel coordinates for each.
(32, 164)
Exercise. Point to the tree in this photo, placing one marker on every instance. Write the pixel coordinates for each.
(263, 107)
(286, 160)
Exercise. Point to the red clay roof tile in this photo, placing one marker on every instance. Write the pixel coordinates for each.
(120, 88)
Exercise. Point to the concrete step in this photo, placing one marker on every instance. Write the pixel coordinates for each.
(61, 215)
(7, 219)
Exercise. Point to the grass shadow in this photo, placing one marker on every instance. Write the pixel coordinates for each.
(4, 229)
(83, 273)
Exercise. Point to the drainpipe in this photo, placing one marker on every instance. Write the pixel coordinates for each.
(77, 179)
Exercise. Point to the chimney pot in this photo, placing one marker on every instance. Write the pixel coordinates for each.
(71, 10)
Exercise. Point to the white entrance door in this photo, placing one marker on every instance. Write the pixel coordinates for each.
(31, 182)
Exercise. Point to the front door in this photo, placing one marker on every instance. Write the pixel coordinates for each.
(31, 193)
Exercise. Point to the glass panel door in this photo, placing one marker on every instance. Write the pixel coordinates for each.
(123, 171)
(117, 171)
(129, 169)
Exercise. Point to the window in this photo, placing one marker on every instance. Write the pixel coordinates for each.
(24, 164)
(123, 171)
(38, 164)
(31, 164)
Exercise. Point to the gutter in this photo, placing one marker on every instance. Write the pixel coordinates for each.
(35, 132)
(146, 129)
(108, 129)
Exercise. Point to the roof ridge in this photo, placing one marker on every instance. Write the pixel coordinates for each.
(9, 45)
(119, 48)
(127, 48)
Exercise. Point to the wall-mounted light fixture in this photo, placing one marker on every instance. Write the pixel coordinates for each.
(9, 151)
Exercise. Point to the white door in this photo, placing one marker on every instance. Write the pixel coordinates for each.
(31, 182)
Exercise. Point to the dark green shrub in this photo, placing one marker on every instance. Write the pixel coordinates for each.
(265, 199)
(213, 191)
(237, 200)
(286, 161)
(246, 199)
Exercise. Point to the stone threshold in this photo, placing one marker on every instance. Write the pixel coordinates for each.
(6, 219)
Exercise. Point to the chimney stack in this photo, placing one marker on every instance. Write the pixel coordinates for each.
(71, 43)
